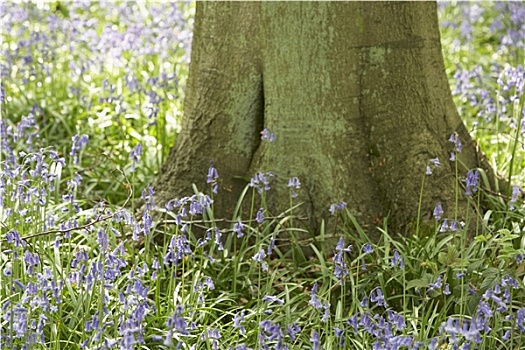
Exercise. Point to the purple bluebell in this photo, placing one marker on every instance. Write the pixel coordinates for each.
(294, 184)
(436, 162)
(336, 207)
(267, 135)
(315, 341)
(472, 181)
(272, 299)
(293, 330)
(238, 227)
(444, 226)
(377, 297)
(271, 246)
(314, 301)
(367, 248)
(259, 216)
(397, 259)
(454, 138)
(79, 142)
(238, 319)
(213, 176)
(259, 257)
(514, 196)
(438, 211)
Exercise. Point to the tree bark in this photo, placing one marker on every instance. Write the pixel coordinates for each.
(355, 92)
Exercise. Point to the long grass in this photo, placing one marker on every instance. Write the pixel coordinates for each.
(92, 95)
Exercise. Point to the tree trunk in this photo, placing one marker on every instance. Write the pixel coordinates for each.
(355, 92)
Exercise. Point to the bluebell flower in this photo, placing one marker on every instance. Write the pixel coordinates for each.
(454, 138)
(340, 247)
(437, 285)
(353, 322)
(397, 259)
(267, 135)
(79, 142)
(293, 330)
(213, 176)
(436, 162)
(238, 319)
(295, 184)
(438, 211)
(444, 226)
(514, 196)
(377, 297)
(316, 342)
(336, 207)
(271, 246)
(238, 227)
(447, 289)
(218, 238)
(261, 181)
(214, 335)
(314, 301)
(259, 257)
(177, 322)
(367, 248)
(259, 216)
(472, 182)
(270, 331)
(340, 334)
(326, 313)
(520, 319)
(134, 155)
(272, 299)
(364, 302)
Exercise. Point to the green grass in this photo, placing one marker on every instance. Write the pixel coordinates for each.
(72, 275)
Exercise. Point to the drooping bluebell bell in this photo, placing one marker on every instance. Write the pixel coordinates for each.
(454, 138)
(438, 211)
(471, 182)
(340, 334)
(436, 162)
(397, 259)
(314, 301)
(377, 297)
(261, 181)
(238, 227)
(444, 226)
(294, 184)
(272, 299)
(271, 246)
(514, 196)
(336, 207)
(293, 330)
(437, 285)
(267, 135)
(367, 248)
(213, 176)
(79, 142)
(259, 216)
(259, 257)
(315, 341)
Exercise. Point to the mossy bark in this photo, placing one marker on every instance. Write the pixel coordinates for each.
(356, 93)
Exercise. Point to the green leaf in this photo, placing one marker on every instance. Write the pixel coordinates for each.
(417, 283)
